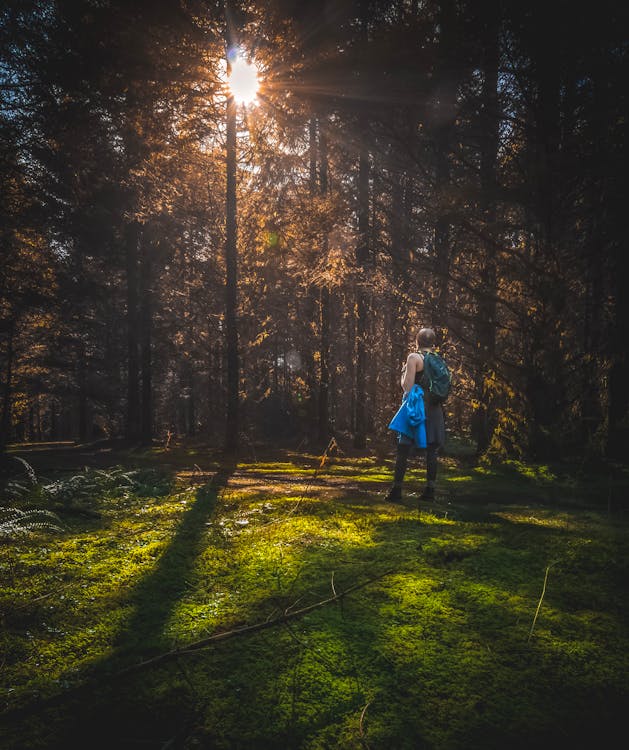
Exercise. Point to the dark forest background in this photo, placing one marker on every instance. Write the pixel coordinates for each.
(452, 163)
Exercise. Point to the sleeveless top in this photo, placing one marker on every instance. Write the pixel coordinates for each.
(418, 375)
(435, 422)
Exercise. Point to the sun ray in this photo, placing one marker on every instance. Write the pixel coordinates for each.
(243, 81)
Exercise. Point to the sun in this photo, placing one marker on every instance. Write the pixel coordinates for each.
(243, 81)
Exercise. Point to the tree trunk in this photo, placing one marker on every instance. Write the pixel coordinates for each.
(593, 399)
(613, 199)
(82, 384)
(231, 283)
(132, 425)
(5, 425)
(311, 301)
(483, 417)
(445, 115)
(349, 383)
(146, 323)
(324, 428)
(398, 230)
(53, 432)
(546, 382)
(38, 434)
(187, 363)
(187, 393)
(618, 394)
(362, 303)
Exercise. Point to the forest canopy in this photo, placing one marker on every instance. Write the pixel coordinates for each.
(450, 163)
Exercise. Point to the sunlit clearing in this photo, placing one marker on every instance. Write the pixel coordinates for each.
(243, 81)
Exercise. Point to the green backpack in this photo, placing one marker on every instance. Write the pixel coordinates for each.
(436, 379)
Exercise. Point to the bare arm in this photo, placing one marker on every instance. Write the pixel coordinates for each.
(414, 364)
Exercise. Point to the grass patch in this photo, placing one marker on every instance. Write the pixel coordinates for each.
(435, 654)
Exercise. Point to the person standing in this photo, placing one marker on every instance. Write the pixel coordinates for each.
(412, 372)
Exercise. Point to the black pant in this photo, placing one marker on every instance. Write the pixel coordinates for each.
(432, 454)
(401, 462)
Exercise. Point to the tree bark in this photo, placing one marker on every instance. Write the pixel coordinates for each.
(483, 416)
(618, 396)
(546, 381)
(146, 324)
(132, 424)
(82, 384)
(54, 431)
(311, 299)
(400, 254)
(5, 425)
(445, 114)
(324, 428)
(613, 199)
(362, 303)
(231, 283)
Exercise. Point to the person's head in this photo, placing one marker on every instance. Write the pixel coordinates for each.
(425, 338)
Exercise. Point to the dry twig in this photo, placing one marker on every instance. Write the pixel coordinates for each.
(539, 604)
(205, 643)
(360, 725)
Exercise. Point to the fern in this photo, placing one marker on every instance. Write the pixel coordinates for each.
(15, 489)
(85, 488)
(16, 523)
(30, 472)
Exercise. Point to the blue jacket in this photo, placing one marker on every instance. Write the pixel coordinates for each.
(410, 419)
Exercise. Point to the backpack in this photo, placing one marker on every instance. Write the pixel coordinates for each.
(435, 378)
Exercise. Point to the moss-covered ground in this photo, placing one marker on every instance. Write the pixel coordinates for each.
(497, 617)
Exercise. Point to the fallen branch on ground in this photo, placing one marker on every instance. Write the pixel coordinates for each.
(287, 615)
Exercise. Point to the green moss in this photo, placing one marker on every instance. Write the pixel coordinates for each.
(436, 654)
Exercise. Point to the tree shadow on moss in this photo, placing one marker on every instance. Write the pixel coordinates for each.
(446, 674)
(96, 701)
(157, 594)
(308, 687)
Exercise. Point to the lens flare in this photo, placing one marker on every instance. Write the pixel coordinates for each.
(243, 81)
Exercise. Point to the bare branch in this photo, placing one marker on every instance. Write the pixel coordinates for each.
(205, 643)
